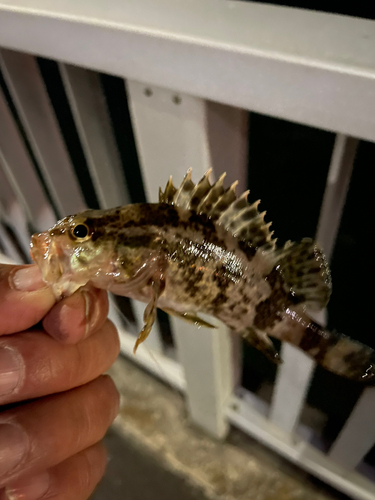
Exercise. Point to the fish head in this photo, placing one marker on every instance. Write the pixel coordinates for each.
(74, 251)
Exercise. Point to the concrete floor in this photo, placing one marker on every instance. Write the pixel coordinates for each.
(155, 453)
(134, 474)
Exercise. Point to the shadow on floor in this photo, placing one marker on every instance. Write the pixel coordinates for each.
(133, 474)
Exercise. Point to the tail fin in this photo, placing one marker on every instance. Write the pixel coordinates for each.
(335, 352)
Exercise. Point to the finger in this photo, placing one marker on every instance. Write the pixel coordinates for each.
(24, 298)
(77, 316)
(32, 364)
(75, 478)
(41, 434)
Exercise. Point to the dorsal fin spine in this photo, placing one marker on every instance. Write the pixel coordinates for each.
(222, 206)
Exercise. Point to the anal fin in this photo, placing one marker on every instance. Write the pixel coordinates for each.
(188, 317)
(263, 343)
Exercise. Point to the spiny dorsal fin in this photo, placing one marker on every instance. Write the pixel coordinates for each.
(167, 195)
(305, 269)
(234, 213)
(212, 196)
(182, 196)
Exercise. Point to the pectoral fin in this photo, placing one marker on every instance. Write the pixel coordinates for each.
(189, 317)
(149, 315)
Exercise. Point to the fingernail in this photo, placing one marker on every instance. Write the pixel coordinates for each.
(33, 488)
(14, 445)
(27, 279)
(73, 311)
(10, 371)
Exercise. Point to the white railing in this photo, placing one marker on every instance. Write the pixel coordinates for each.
(191, 69)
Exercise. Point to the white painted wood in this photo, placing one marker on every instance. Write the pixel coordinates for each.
(357, 436)
(34, 108)
(152, 360)
(227, 132)
(206, 356)
(337, 186)
(91, 117)
(4, 259)
(155, 362)
(8, 246)
(244, 416)
(13, 214)
(292, 383)
(295, 64)
(20, 172)
(172, 134)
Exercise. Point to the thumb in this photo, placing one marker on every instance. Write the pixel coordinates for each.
(24, 298)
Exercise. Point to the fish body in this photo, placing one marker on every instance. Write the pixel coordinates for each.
(202, 249)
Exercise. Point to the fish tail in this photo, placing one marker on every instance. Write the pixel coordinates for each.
(335, 352)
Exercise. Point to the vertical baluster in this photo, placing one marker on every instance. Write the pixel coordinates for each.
(36, 113)
(93, 125)
(20, 172)
(294, 375)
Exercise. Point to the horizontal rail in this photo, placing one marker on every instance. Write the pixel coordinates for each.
(305, 66)
(298, 451)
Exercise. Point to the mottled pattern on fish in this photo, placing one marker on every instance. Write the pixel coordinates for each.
(202, 249)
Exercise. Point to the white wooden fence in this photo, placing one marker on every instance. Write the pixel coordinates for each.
(192, 70)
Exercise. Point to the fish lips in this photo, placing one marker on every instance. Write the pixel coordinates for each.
(47, 257)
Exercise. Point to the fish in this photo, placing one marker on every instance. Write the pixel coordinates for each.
(203, 249)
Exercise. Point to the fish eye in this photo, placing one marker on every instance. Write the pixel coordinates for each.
(80, 231)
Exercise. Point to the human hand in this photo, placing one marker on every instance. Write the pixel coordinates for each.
(50, 446)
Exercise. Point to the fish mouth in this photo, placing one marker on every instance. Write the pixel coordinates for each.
(46, 257)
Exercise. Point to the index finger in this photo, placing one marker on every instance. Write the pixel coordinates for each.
(78, 316)
(24, 298)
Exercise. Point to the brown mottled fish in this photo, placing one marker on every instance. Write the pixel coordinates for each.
(203, 249)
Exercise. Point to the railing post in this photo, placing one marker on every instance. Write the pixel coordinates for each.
(174, 132)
